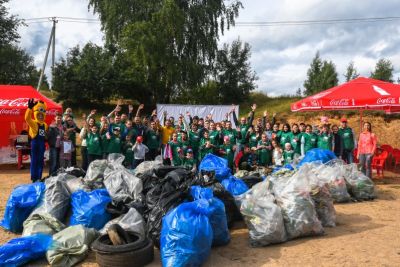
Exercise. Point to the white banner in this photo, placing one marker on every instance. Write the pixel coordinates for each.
(218, 112)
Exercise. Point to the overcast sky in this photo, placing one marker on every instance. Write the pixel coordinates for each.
(281, 55)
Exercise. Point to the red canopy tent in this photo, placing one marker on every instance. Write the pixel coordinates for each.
(358, 94)
(13, 103)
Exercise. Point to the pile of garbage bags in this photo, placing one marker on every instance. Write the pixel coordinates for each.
(184, 214)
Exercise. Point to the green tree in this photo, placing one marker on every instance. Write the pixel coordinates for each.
(85, 76)
(8, 25)
(321, 75)
(383, 70)
(171, 44)
(351, 72)
(233, 73)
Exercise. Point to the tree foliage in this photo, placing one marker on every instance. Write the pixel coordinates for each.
(351, 72)
(8, 25)
(233, 73)
(170, 44)
(321, 75)
(383, 70)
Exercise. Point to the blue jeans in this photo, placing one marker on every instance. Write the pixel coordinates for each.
(348, 156)
(365, 161)
(54, 158)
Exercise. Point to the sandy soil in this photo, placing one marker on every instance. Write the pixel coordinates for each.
(367, 234)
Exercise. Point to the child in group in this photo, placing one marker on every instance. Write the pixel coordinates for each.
(264, 151)
(277, 154)
(128, 151)
(114, 141)
(189, 162)
(227, 151)
(66, 151)
(139, 151)
(94, 144)
(288, 154)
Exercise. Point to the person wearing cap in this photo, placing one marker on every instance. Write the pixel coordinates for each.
(349, 141)
(114, 141)
(189, 162)
(139, 151)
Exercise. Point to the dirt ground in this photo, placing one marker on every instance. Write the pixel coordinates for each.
(367, 234)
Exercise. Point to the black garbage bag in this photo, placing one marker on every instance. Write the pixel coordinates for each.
(75, 171)
(149, 182)
(250, 181)
(162, 170)
(232, 211)
(166, 202)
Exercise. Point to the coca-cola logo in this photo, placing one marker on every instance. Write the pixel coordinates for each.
(12, 112)
(18, 102)
(314, 103)
(340, 102)
(51, 112)
(388, 100)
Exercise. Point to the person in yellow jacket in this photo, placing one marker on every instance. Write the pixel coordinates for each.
(37, 131)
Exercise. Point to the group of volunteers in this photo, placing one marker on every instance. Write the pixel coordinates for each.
(186, 140)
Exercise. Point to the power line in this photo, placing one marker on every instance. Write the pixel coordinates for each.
(241, 23)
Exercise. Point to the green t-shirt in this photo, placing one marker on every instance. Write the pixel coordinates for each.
(309, 140)
(128, 153)
(348, 138)
(175, 147)
(194, 139)
(253, 140)
(265, 154)
(94, 144)
(288, 156)
(243, 131)
(114, 145)
(295, 141)
(229, 153)
(232, 134)
(325, 141)
(285, 138)
(152, 139)
(188, 163)
(214, 137)
(203, 149)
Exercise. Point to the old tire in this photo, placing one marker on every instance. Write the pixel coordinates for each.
(134, 258)
(103, 244)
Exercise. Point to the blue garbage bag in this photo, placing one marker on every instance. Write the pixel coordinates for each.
(19, 251)
(186, 235)
(214, 163)
(235, 186)
(317, 154)
(287, 166)
(218, 220)
(89, 208)
(22, 201)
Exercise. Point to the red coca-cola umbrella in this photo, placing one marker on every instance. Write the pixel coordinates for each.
(13, 103)
(359, 94)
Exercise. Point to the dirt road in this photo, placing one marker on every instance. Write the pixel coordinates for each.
(367, 234)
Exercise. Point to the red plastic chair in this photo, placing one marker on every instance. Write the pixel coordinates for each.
(378, 163)
(389, 149)
(396, 157)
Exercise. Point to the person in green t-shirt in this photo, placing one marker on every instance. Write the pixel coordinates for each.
(206, 147)
(185, 143)
(94, 144)
(244, 124)
(288, 154)
(252, 137)
(264, 149)
(308, 140)
(104, 141)
(276, 133)
(349, 142)
(325, 139)
(189, 162)
(153, 141)
(128, 152)
(295, 139)
(227, 151)
(176, 150)
(114, 141)
(215, 134)
(233, 134)
(285, 135)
